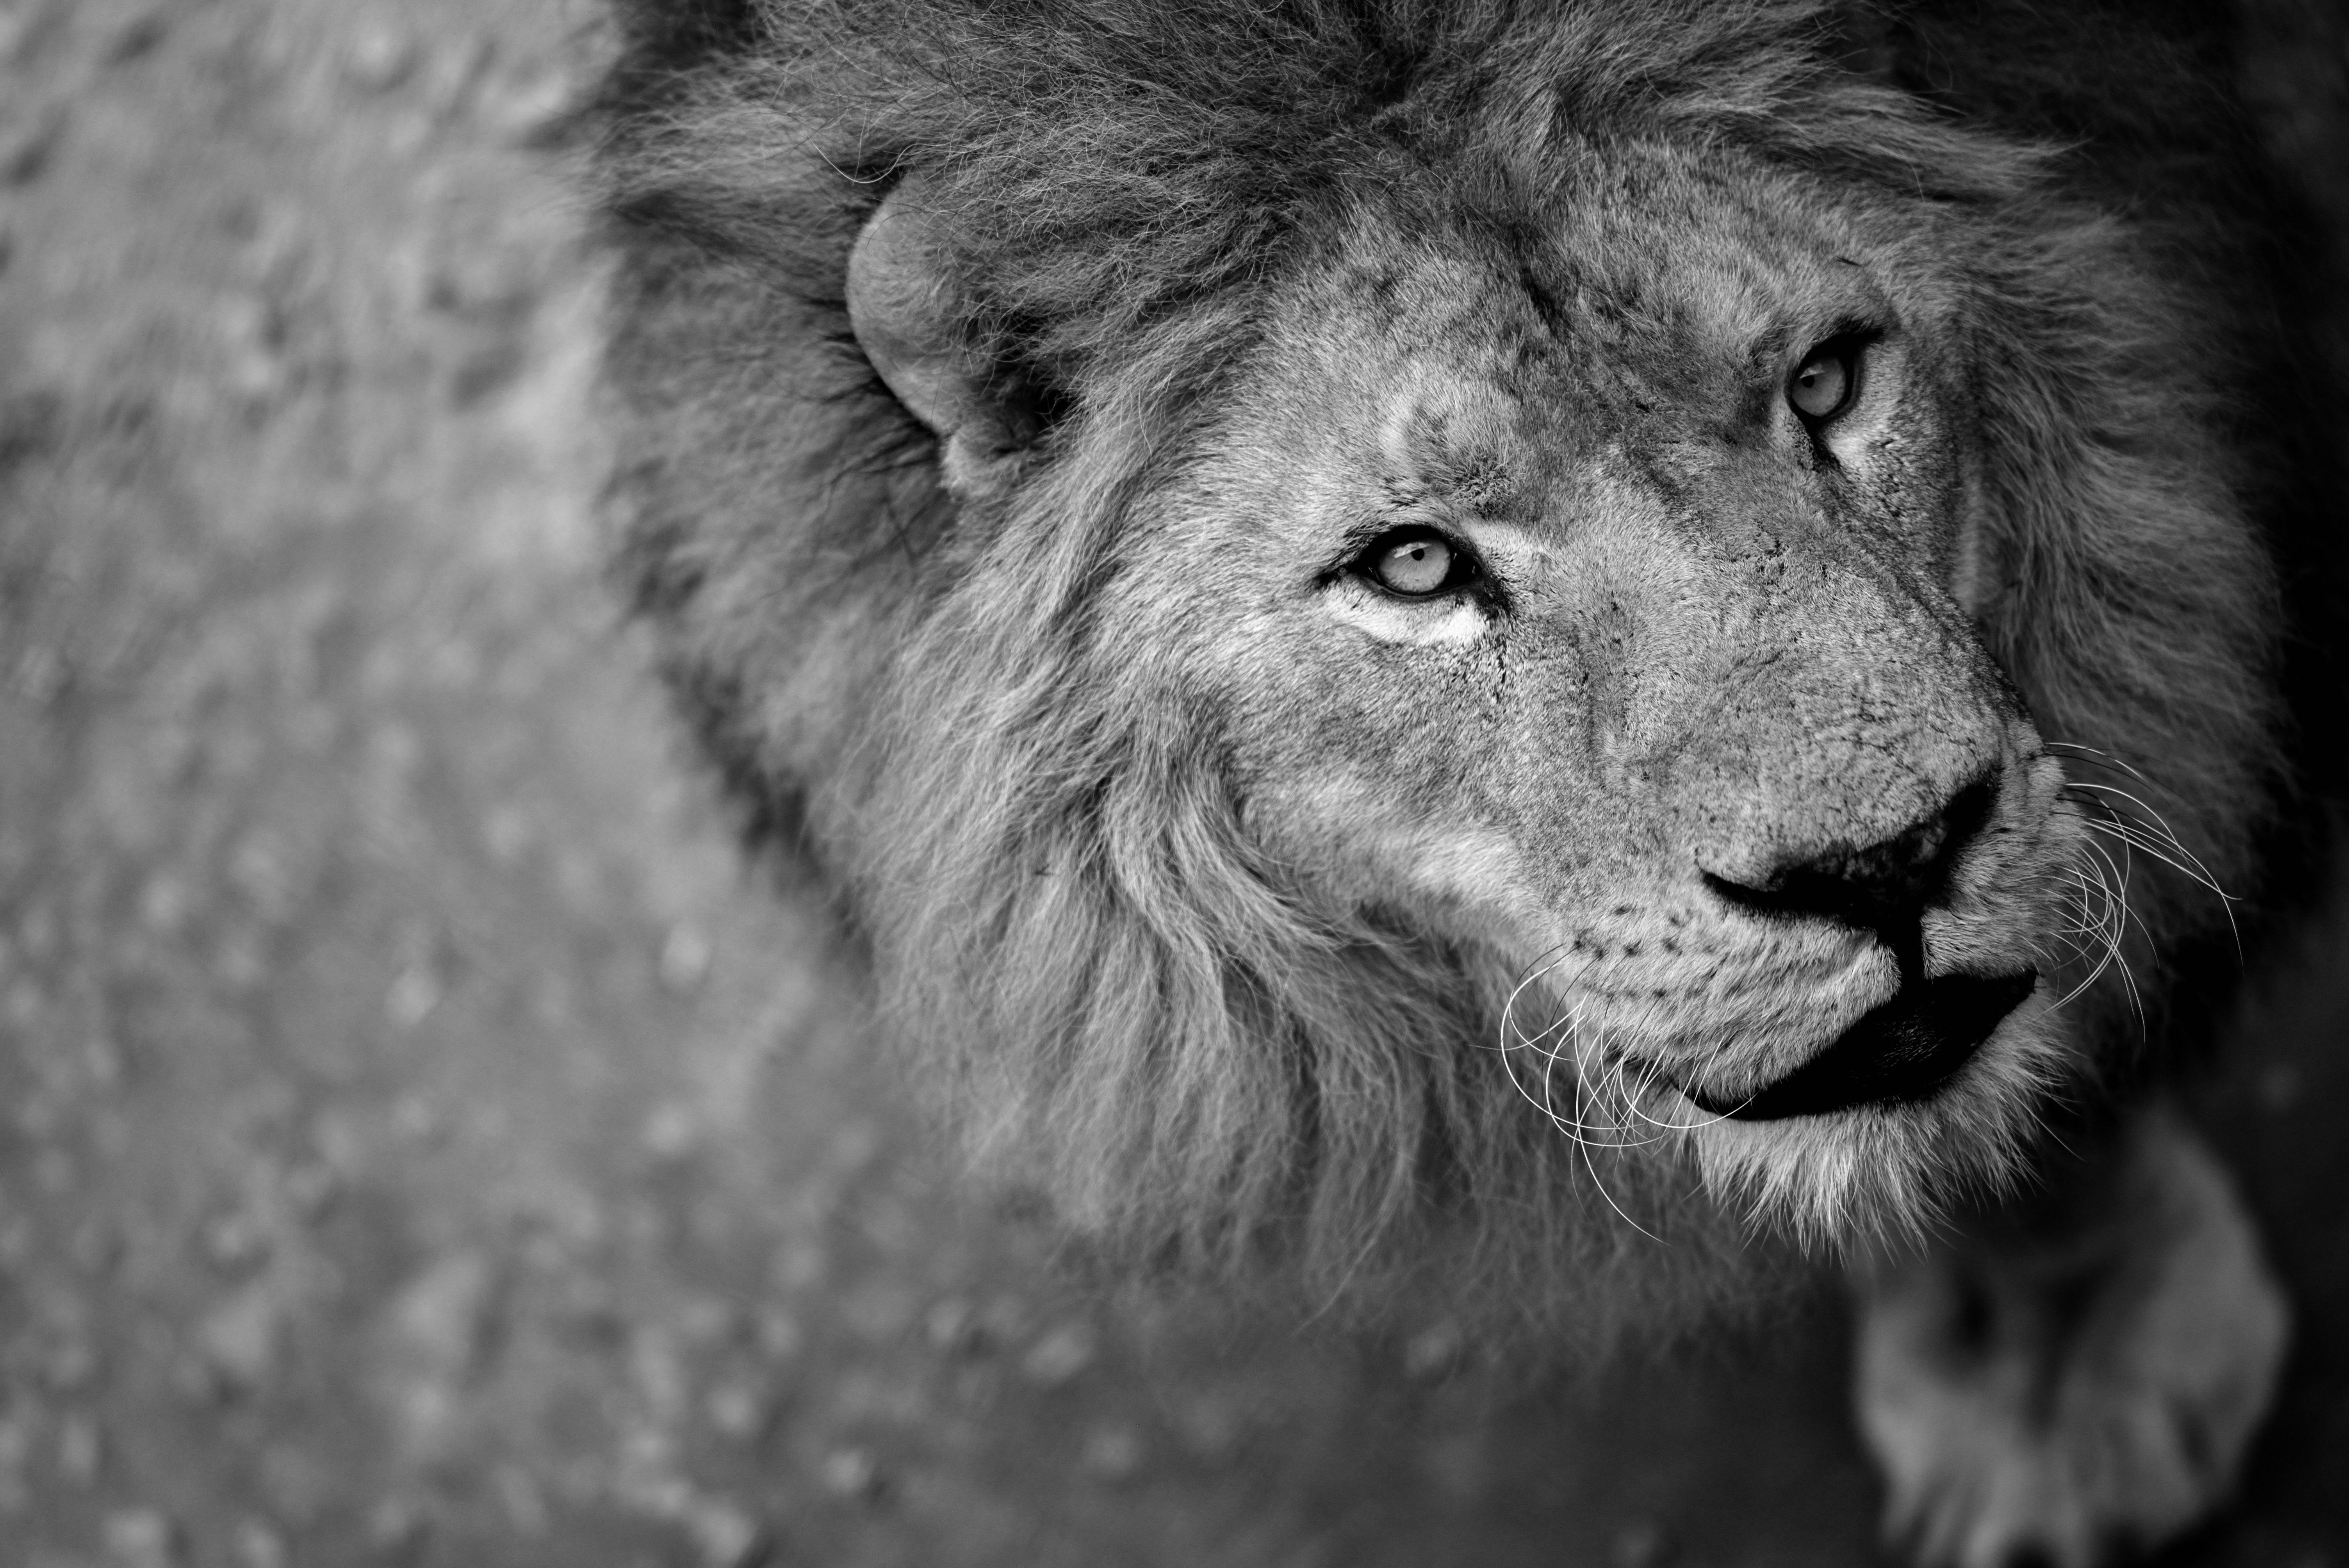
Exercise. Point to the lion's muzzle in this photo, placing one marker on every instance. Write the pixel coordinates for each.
(1911, 1044)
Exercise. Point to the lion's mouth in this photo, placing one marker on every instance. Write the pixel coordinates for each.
(1903, 1050)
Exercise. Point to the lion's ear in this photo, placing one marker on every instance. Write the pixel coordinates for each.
(916, 326)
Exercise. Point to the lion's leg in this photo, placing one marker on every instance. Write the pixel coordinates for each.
(2079, 1380)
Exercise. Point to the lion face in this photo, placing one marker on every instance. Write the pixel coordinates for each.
(1390, 639)
(1539, 610)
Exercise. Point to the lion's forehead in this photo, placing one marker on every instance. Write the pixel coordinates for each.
(1447, 435)
(1479, 363)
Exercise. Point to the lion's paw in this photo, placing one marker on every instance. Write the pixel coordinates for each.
(2067, 1402)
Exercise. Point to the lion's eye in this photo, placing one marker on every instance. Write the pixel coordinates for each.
(1417, 563)
(1824, 382)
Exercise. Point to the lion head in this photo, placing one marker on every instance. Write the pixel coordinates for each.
(1400, 624)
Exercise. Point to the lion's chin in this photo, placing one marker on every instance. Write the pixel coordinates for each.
(1901, 1051)
(1875, 1167)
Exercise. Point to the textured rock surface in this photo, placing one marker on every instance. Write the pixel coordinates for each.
(423, 1142)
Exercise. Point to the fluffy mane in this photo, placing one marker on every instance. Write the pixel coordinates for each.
(1091, 971)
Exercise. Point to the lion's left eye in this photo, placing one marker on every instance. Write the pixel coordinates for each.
(1823, 383)
(1415, 562)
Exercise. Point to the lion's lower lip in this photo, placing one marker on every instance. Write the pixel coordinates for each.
(1903, 1050)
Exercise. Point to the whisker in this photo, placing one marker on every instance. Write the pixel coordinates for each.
(2123, 914)
(2142, 826)
(2098, 759)
(2091, 884)
(2160, 843)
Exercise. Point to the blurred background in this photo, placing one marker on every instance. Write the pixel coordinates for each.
(422, 1139)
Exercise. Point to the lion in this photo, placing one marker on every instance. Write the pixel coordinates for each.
(1398, 623)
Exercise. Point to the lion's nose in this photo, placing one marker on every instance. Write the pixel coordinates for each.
(1883, 887)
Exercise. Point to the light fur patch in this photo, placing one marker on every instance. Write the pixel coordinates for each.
(1456, 621)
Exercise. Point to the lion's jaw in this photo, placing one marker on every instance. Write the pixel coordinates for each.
(1693, 661)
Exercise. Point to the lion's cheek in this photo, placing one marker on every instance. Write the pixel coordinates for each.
(1353, 840)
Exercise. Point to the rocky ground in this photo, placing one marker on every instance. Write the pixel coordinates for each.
(422, 1141)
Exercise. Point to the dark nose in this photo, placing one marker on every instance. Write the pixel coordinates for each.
(1884, 887)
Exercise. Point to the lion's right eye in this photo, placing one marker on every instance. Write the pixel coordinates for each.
(1415, 562)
